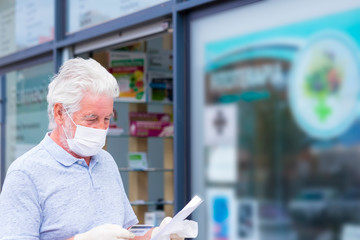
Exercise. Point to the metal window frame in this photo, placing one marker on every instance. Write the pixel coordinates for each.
(122, 36)
(2, 126)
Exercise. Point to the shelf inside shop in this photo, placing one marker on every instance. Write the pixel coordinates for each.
(130, 136)
(116, 100)
(146, 170)
(148, 203)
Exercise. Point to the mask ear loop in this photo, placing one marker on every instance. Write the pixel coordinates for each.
(63, 125)
(67, 137)
(70, 117)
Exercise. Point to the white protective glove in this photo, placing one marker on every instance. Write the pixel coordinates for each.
(105, 232)
(183, 229)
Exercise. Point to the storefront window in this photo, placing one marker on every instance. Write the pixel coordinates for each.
(276, 123)
(26, 106)
(82, 14)
(25, 23)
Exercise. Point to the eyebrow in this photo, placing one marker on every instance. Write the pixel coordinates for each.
(89, 116)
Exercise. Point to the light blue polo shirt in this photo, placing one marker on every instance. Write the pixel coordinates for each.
(50, 195)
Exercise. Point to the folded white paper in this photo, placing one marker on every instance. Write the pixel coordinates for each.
(178, 225)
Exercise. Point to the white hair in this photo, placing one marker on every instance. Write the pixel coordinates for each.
(77, 76)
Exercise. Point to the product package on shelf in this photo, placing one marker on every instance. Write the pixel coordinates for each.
(145, 124)
(129, 69)
(160, 87)
(137, 160)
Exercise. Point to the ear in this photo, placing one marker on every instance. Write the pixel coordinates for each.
(59, 114)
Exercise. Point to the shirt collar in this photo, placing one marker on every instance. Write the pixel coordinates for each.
(58, 153)
(94, 160)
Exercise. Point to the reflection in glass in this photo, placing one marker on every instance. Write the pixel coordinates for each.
(26, 106)
(280, 131)
(83, 14)
(25, 23)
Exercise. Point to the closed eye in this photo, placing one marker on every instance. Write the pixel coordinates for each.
(91, 119)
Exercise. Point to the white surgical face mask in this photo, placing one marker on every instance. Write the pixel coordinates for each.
(87, 141)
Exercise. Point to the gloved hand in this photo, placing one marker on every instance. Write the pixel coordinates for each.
(105, 232)
(182, 230)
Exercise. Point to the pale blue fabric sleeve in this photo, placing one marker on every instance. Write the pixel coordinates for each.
(19, 207)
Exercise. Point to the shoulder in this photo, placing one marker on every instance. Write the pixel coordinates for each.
(104, 157)
(35, 165)
(105, 154)
(29, 160)
(19, 180)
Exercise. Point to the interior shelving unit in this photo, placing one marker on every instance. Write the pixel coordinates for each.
(144, 187)
(138, 179)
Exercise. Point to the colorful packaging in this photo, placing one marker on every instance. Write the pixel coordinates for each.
(150, 124)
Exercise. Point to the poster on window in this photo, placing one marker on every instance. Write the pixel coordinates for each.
(160, 86)
(220, 124)
(248, 220)
(222, 211)
(316, 62)
(129, 69)
(222, 164)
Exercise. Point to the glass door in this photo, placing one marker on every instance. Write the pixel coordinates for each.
(274, 119)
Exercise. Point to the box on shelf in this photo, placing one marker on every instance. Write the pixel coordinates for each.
(137, 160)
(129, 69)
(150, 124)
(160, 87)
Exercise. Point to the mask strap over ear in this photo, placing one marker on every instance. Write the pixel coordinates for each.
(69, 116)
(67, 137)
(71, 120)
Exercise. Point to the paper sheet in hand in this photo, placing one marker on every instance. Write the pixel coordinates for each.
(180, 216)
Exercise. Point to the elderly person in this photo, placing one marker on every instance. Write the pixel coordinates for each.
(68, 187)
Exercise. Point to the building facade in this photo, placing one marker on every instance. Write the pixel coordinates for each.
(263, 97)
